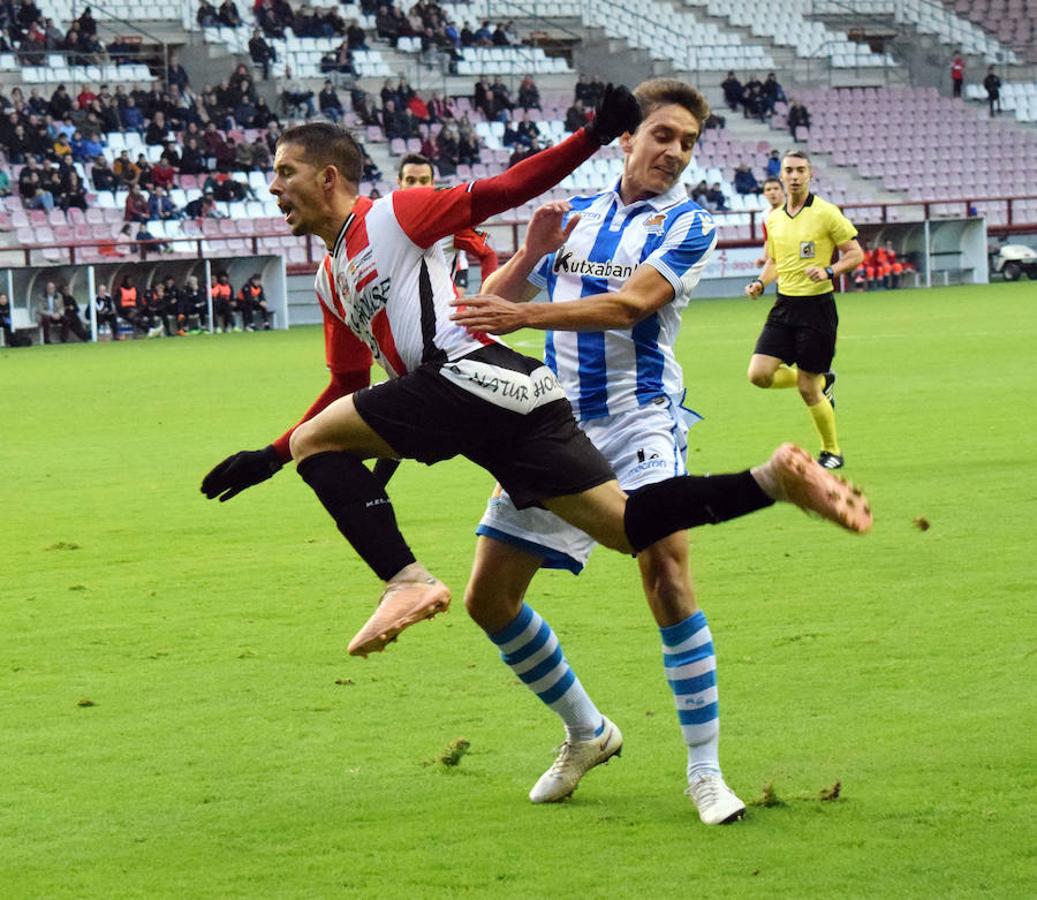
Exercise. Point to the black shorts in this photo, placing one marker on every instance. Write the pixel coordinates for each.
(801, 330)
(511, 419)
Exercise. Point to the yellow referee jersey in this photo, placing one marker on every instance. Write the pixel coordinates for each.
(808, 238)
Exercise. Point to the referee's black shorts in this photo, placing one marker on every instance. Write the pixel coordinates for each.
(801, 331)
(535, 453)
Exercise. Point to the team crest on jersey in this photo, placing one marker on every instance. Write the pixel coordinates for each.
(806, 250)
(654, 224)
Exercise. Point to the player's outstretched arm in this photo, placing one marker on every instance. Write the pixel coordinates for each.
(426, 215)
(642, 294)
(544, 235)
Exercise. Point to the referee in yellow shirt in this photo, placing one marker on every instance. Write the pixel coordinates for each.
(797, 344)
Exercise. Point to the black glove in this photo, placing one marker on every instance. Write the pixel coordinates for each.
(240, 471)
(384, 469)
(617, 111)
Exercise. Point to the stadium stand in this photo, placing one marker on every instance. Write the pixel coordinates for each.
(926, 155)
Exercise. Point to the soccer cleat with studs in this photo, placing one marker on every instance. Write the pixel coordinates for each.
(716, 802)
(816, 490)
(403, 603)
(575, 759)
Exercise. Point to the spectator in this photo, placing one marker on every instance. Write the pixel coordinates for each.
(136, 209)
(261, 53)
(295, 96)
(5, 183)
(132, 117)
(128, 304)
(34, 194)
(223, 303)
(329, 103)
(192, 310)
(74, 194)
(394, 122)
(798, 117)
(148, 242)
(251, 300)
(499, 38)
(192, 160)
(228, 14)
(774, 164)
(744, 181)
(6, 325)
(52, 308)
(957, 73)
(753, 100)
(576, 116)
(528, 94)
(163, 175)
(243, 157)
(527, 130)
(734, 93)
(176, 74)
(102, 176)
(356, 37)
(161, 207)
(155, 133)
(261, 158)
(698, 193)
(439, 108)
(419, 108)
(71, 320)
(104, 311)
(715, 198)
(773, 93)
(992, 85)
(207, 16)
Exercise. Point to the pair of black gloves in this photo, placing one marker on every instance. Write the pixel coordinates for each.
(616, 113)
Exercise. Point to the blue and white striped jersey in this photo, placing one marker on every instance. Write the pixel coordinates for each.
(606, 372)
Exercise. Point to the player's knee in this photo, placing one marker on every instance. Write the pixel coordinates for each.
(761, 379)
(490, 607)
(810, 393)
(299, 442)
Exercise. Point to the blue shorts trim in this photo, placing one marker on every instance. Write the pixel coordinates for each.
(552, 559)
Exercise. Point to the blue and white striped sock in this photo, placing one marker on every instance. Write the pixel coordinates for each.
(691, 669)
(530, 648)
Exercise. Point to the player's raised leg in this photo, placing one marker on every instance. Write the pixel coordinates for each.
(688, 501)
(501, 573)
(329, 449)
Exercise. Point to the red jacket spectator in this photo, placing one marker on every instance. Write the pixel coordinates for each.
(163, 175)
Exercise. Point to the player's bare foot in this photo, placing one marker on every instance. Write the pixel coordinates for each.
(403, 603)
(792, 474)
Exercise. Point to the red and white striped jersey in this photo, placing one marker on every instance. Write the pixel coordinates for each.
(387, 280)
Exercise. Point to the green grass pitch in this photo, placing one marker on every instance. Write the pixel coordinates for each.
(179, 718)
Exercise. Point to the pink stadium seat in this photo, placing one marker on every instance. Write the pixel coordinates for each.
(94, 216)
(397, 146)
(63, 234)
(189, 182)
(57, 217)
(113, 216)
(25, 235)
(76, 216)
(37, 217)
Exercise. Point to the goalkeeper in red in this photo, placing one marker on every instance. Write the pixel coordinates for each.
(385, 280)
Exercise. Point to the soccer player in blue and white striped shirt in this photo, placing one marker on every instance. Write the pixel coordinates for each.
(618, 267)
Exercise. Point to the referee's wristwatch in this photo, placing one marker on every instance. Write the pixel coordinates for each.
(830, 272)
(758, 281)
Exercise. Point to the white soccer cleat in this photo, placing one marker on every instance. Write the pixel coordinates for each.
(716, 802)
(575, 759)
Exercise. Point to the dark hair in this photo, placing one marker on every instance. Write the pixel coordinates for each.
(658, 92)
(773, 180)
(325, 144)
(414, 159)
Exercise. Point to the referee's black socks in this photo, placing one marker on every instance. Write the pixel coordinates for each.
(660, 509)
(360, 507)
